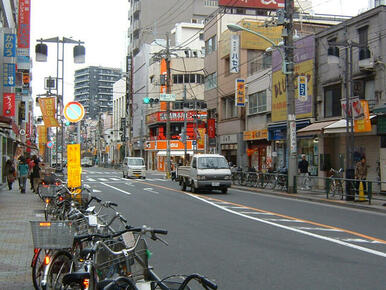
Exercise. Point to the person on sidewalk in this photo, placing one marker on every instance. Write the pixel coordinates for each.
(22, 171)
(35, 174)
(10, 173)
(361, 173)
(303, 170)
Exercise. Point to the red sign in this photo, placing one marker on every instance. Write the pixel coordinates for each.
(212, 128)
(23, 31)
(9, 104)
(265, 4)
(175, 116)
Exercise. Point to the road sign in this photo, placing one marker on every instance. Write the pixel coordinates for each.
(22, 132)
(73, 112)
(302, 88)
(50, 144)
(167, 97)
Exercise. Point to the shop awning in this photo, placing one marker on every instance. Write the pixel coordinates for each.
(338, 127)
(314, 128)
(174, 153)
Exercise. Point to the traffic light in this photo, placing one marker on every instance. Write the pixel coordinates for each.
(150, 101)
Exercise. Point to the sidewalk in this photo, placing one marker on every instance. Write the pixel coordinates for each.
(16, 249)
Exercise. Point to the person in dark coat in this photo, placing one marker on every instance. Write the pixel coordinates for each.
(10, 173)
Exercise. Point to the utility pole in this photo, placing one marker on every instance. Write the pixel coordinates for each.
(185, 129)
(168, 90)
(129, 105)
(291, 109)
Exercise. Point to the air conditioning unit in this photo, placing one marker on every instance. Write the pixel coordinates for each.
(366, 64)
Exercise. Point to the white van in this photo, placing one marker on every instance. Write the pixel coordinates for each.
(134, 167)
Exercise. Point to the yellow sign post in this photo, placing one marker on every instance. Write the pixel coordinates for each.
(74, 170)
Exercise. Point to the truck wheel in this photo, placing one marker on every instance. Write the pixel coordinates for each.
(183, 185)
(224, 190)
(193, 188)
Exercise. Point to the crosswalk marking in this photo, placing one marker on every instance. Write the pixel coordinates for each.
(284, 220)
(90, 179)
(318, 229)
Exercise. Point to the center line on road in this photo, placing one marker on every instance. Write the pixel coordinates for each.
(113, 187)
(336, 241)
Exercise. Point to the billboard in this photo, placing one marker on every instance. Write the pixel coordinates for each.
(265, 4)
(304, 68)
(23, 31)
(251, 41)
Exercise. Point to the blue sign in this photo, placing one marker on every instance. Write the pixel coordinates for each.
(302, 88)
(9, 45)
(9, 74)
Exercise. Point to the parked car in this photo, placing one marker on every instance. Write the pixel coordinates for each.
(86, 161)
(133, 167)
(206, 171)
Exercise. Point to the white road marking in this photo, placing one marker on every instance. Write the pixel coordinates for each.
(113, 178)
(256, 212)
(318, 229)
(102, 179)
(91, 179)
(360, 241)
(284, 220)
(105, 184)
(150, 189)
(332, 240)
(96, 190)
(39, 215)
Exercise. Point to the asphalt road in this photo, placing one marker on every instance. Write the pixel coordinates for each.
(246, 240)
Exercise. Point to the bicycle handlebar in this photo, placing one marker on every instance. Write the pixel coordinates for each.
(203, 280)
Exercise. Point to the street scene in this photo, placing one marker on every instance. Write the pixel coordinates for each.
(199, 144)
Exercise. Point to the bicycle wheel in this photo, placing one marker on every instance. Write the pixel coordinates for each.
(332, 189)
(37, 265)
(60, 265)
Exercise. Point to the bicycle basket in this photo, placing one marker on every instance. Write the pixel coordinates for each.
(52, 235)
(133, 265)
(48, 190)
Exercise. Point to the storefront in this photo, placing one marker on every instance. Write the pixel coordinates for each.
(156, 153)
(257, 149)
(228, 147)
(277, 134)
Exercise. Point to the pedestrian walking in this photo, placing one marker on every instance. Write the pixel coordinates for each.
(22, 171)
(31, 164)
(361, 173)
(303, 171)
(35, 174)
(10, 173)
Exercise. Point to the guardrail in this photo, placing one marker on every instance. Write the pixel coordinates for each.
(330, 187)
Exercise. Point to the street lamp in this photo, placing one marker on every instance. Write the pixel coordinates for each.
(287, 69)
(79, 53)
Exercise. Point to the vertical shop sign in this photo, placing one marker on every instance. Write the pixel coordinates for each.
(234, 62)
(9, 74)
(9, 45)
(8, 104)
(23, 31)
(240, 93)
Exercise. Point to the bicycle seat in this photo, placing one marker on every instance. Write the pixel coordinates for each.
(85, 252)
(76, 277)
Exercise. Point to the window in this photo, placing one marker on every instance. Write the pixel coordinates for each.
(364, 52)
(210, 45)
(201, 36)
(332, 98)
(332, 49)
(211, 3)
(211, 81)
(188, 78)
(257, 102)
(229, 109)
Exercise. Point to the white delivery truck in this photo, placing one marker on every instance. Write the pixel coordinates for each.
(134, 167)
(206, 172)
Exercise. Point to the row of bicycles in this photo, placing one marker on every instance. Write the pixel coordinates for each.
(85, 243)
(268, 180)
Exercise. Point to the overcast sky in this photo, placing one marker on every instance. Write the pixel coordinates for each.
(103, 26)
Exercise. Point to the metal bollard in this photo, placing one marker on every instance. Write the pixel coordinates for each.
(369, 191)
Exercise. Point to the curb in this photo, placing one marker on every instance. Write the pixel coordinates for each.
(313, 199)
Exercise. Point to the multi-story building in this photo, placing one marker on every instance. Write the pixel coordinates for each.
(94, 89)
(17, 132)
(186, 84)
(150, 20)
(245, 129)
(350, 64)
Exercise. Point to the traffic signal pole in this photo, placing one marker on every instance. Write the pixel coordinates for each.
(168, 90)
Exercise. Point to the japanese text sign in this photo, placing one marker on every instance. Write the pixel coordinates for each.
(234, 59)
(8, 104)
(240, 93)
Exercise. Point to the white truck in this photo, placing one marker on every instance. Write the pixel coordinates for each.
(86, 161)
(206, 172)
